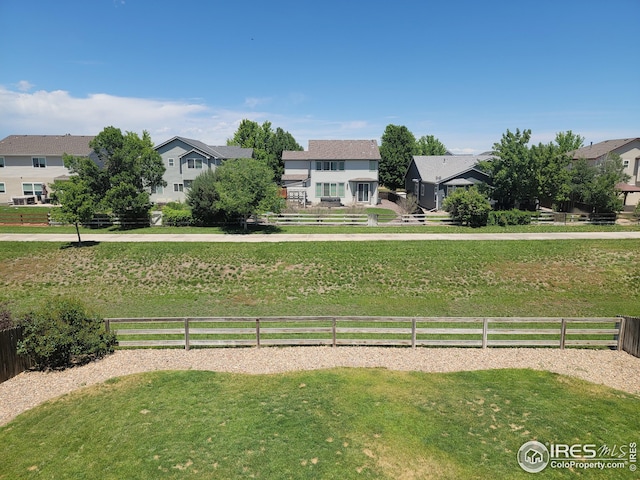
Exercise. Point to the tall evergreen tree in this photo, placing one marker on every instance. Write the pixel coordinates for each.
(396, 152)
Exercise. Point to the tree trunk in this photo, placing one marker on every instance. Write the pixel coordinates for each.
(78, 232)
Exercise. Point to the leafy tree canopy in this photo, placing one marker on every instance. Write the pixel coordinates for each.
(128, 168)
(245, 187)
(396, 152)
(468, 206)
(430, 145)
(77, 202)
(267, 144)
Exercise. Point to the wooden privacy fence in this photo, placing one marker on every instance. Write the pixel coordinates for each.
(631, 336)
(11, 364)
(379, 331)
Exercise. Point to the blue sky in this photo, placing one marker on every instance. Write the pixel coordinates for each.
(464, 71)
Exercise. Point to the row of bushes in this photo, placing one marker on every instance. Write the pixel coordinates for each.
(60, 333)
(509, 217)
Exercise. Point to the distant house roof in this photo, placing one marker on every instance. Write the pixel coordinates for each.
(223, 152)
(77, 145)
(336, 150)
(598, 150)
(441, 168)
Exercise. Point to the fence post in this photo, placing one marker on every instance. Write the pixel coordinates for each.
(413, 333)
(186, 334)
(107, 325)
(485, 328)
(563, 332)
(621, 331)
(333, 331)
(258, 332)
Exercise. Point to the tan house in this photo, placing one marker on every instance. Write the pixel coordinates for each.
(629, 151)
(30, 163)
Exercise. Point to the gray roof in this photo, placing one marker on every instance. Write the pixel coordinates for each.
(440, 168)
(223, 152)
(600, 149)
(336, 150)
(54, 145)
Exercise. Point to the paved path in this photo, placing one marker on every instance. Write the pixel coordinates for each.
(315, 237)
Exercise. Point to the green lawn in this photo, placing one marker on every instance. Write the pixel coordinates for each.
(333, 424)
(411, 278)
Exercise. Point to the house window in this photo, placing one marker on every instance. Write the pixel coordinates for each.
(1, 162)
(422, 189)
(32, 189)
(363, 192)
(39, 162)
(194, 163)
(451, 189)
(178, 187)
(329, 189)
(330, 166)
(158, 190)
(373, 165)
(2, 188)
(171, 162)
(187, 183)
(625, 163)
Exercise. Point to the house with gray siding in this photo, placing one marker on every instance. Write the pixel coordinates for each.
(29, 164)
(185, 159)
(431, 178)
(338, 171)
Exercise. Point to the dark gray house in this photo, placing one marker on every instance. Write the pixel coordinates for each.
(432, 178)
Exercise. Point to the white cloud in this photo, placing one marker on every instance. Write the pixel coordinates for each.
(24, 85)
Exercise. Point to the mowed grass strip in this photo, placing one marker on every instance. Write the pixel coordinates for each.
(341, 424)
(382, 278)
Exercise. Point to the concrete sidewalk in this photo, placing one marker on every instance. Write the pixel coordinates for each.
(316, 237)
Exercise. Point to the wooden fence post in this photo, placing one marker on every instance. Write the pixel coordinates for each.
(621, 331)
(333, 331)
(563, 332)
(485, 332)
(107, 325)
(258, 332)
(413, 333)
(186, 334)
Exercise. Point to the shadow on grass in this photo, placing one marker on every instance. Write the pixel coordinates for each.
(251, 229)
(84, 244)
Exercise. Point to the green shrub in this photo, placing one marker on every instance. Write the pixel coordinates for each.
(509, 217)
(176, 214)
(468, 206)
(62, 333)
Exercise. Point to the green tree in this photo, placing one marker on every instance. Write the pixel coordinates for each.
(430, 145)
(245, 187)
(203, 198)
(396, 152)
(128, 168)
(514, 176)
(77, 202)
(267, 145)
(602, 194)
(468, 206)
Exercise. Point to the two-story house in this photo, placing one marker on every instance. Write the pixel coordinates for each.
(629, 151)
(333, 170)
(29, 163)
(185, 159)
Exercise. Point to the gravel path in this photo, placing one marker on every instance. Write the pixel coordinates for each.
(612, 368)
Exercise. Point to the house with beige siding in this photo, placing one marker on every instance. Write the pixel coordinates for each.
(333, 171)
(29, 164)
(629, 151)
(185, 159)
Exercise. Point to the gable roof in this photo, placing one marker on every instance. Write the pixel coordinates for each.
(223, 152)
(55, 145)
(336, 150)
(600, 149)
(440, 168)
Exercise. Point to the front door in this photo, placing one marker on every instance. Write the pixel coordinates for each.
(363, 192)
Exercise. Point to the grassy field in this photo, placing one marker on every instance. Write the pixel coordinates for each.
(506, 278)
(333, 424)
